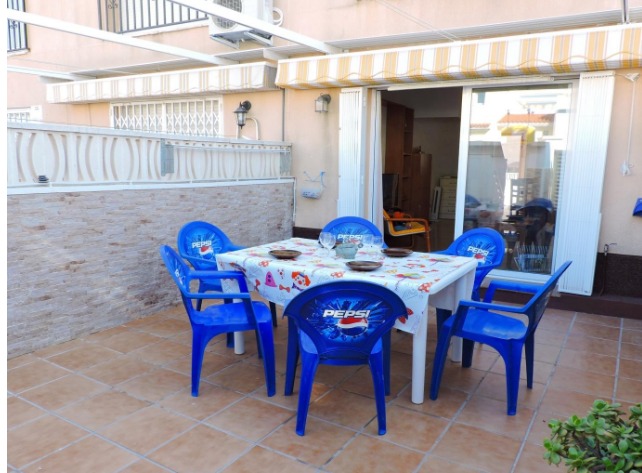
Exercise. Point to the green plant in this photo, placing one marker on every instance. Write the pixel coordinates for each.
(603, 441)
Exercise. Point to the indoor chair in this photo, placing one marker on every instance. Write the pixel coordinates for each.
(341, 323)
(407, 226)
(221, 318)
(478, 322)
(199, 243)
(487, 246)
(351, 228)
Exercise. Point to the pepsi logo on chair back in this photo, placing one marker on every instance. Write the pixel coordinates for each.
(478, 253)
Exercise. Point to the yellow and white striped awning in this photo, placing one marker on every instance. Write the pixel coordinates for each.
(256, 76)
(581, 50)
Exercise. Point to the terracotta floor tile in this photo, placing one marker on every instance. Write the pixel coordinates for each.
(211, 399)
(146, 429)
(553, 323)
(546, 353)
(21, 360)
(494, 386)
(532, 461)
(410, 428)
(266, 461)
(187, 455)
(59, 348)
(289, 402)
(563, 403)
(156, 385)
(541, 370)
(540, 429)
(456, 377)
(162, 352)
(63, 391)
(631, 369)
(632, 336)
(144, 466)
(550, 337)
(145, 321)
(105, 458)
(167, 327)
(434, 464)
(596, 330)
(104, 334)
(600, 346)
(321, 441)
(118, 370)
(446, 405)
(29, 442)
(629, 390)
(635, 324)
(582, 361)
(357, 457)
(102, 409)
(631, 351)
(83, 357)
(490, 414)
(250, 418)
(243, 377)
(33, 374)
(19, 411)
(361, 383)
(569, 379)
(212, 363)
(344, 408)
(483, 449)
(598, 319)
(130, 340)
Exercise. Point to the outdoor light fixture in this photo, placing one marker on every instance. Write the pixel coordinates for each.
(321, 104)
(241, 113)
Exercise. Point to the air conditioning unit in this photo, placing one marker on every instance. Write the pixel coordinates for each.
(232, 34)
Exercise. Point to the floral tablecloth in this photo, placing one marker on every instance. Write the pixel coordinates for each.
(413, 277)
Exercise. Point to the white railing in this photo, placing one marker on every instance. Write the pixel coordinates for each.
(53, 156)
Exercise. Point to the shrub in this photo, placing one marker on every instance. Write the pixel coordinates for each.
(603, 441)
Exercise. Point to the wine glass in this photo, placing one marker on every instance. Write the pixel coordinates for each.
(327, 240)
(366, 246)
(377, 245)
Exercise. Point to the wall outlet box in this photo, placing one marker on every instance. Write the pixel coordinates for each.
(311, 193)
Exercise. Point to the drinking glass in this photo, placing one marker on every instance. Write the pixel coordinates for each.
(366, 247)
(327, 240)
(377, 245)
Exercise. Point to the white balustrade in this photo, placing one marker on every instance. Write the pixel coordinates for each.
(90, 157)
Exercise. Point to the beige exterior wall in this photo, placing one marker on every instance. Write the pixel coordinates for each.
(86, 261)
(621, 192)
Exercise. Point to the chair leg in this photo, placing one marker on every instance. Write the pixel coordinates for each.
(467, 353)
(427, 242)
(230, 339)
(529, 351)
(292, 358)
(309, 365)
(199, 342)
(440, 359)
(512, 355)
(376, 362)
(442, 315)
(386, 346)
(273, 312)
(265, 341)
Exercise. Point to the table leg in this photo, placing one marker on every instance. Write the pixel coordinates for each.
(419, 361)
(239, 343)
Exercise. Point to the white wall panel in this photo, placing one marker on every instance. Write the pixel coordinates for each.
(583, 180)
(351, 153)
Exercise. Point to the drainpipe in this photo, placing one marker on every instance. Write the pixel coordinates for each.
(625, 12)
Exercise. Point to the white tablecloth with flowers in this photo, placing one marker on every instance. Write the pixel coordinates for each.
(414, 278)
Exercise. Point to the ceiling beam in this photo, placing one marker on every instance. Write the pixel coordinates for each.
(73, 28)
(254, 23)
(48, 74)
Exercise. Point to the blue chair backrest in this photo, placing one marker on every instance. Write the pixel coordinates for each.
(200, 242)
(345, 319)
(351, 228)
(179, 271)
(535, 308)
(485, 244)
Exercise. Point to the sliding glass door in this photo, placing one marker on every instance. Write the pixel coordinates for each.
(517, 142)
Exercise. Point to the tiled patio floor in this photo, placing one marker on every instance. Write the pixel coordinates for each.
(119, 401)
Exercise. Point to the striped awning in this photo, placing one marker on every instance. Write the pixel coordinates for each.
(581, 50)
(256, 76)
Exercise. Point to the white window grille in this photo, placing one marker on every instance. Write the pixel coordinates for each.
(19, 115)
(188, 117)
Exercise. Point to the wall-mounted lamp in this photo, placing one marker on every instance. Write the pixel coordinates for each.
(321, 103)
(241, 113)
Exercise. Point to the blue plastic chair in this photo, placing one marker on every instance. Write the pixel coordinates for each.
(199, 243)
(488, 246)
(221, 318)
(351, 228)
(341, 323)
(508, 335)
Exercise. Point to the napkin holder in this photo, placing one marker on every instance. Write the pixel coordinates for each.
(346, 250)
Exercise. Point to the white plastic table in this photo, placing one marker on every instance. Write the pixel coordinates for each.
(419, 279)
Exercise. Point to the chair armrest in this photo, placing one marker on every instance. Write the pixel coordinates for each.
(408, 219)
(490, 306)
(509, 286)
(219, 275)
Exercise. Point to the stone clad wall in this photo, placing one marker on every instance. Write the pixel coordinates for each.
(82, 262)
